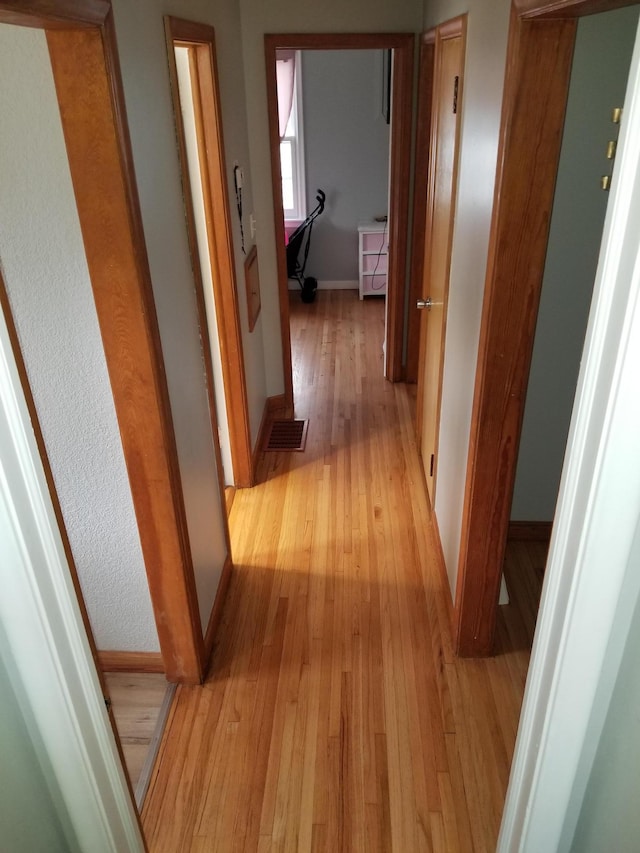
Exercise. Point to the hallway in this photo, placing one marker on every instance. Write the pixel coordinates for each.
(335, 716)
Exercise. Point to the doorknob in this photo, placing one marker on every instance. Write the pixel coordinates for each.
(427, 303)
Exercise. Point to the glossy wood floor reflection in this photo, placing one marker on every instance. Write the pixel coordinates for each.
(335, 716)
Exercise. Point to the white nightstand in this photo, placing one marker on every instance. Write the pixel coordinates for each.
(373, 247)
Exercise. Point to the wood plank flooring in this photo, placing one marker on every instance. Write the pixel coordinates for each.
(136, 701)
(335, 716)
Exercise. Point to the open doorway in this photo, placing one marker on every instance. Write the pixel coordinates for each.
(334, 156)
(336, 138)
(533, 117)
(599, 73)
(192, 64)
(400, 143)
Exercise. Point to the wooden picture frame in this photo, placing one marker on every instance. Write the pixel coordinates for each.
(252, 283)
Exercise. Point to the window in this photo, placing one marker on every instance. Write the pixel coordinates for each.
(291, 139)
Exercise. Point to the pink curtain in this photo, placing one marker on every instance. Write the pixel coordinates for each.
(285, 76)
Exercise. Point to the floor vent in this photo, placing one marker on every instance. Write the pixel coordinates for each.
(286, 435)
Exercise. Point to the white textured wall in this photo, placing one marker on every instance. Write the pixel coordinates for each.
(346, 153)
(143, 58)
(488, 22)
(45, 272)
(604, 44)
(294, 16)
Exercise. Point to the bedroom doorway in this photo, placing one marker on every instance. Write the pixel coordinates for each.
(400, 146)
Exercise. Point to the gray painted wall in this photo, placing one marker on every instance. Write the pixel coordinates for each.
(346, 153)
(600, 69)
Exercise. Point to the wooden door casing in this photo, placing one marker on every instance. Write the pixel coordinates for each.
(444, 135)
(199, 39)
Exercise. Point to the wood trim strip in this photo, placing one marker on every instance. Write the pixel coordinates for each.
(400, 170)
(400, 159)
(55, 14)
(223, 260)
(338, 41)
(229, 497)
(452, 28)
(420, 186)
(114, 661)
(216, 610)
(455, 28)
(200, 38)
(89, 90)
(188, 33)
(538, 70)
(563, 9)
(271, 44)
(277, 403)
(195, 258)
(530, 531)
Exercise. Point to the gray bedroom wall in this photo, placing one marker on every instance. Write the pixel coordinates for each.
(346, 154)
(572, 256)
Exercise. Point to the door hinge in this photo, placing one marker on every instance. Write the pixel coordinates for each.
(456, 81)
(107, 703)
(433, 459)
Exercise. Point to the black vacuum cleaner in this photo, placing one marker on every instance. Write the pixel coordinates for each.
(299, 244)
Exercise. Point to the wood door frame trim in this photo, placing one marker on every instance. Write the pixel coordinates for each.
(454, 28)
(55, 14)
(83, 31)
(400, 160)
(539, 56)
(117, 661)
(420, 186)
(201, 38)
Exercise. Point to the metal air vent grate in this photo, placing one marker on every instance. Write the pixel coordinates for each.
(286, 435)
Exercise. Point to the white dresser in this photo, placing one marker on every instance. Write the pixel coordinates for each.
(373, 247)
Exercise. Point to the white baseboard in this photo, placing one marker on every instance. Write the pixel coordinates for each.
(328, 285)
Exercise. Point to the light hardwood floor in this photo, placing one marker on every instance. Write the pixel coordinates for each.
(335, 716)
(137, 701)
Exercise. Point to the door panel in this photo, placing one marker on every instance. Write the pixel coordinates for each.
(447, 94)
